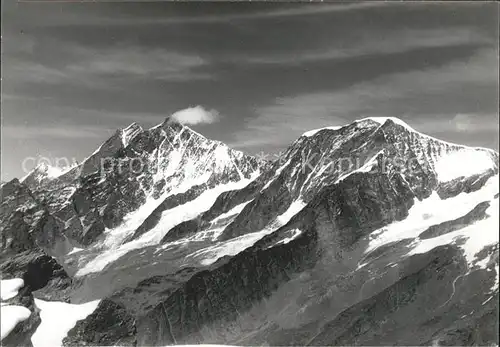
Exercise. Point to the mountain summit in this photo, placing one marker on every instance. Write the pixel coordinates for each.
(369, 233)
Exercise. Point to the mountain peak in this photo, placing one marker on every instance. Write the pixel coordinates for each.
(386, 122)
(168, 121)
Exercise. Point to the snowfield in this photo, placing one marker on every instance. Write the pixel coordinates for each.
(10, 288)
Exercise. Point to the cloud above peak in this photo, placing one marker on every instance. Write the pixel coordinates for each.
(196, 115)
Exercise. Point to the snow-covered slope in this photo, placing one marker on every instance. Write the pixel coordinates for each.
(182, 175)
(112, 245)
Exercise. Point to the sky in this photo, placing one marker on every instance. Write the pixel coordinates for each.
(253, 75)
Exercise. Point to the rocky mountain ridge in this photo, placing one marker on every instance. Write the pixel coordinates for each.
(351, 232)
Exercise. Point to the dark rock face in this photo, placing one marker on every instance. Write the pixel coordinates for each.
(28, 228)
(364, 202)
(25, 221)
(109, 325)
(103, 205)
(43, 269)
(147, 293)
(481, 330)
(109, 149)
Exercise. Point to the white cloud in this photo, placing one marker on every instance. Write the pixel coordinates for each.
(196, 115)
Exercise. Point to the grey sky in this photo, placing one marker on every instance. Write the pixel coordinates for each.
(75, 72)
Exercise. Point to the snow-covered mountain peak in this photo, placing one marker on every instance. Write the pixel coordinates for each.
(399, 129)
(155, 237)
(384, 120)
(322, 156)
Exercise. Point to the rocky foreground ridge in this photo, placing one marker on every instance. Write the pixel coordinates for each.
(370, 233)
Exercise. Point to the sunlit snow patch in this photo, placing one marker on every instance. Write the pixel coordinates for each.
(11, 316)
(465, 162)
(232, 212)
(236, 245)
(9, 288)
(57, 319)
